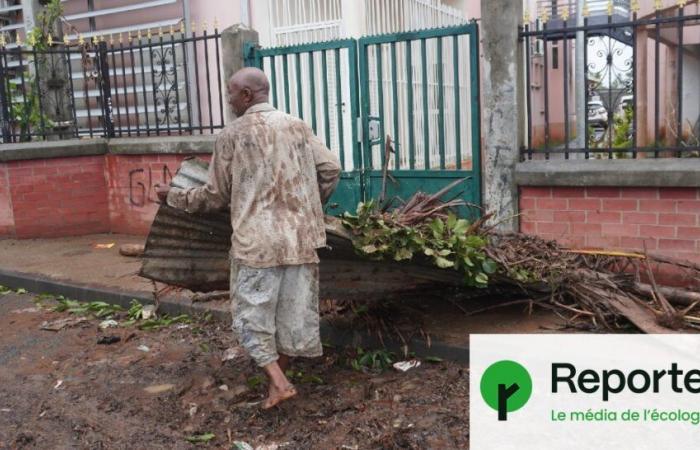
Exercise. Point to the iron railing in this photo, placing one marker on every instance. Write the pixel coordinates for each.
(639, 101)
(150, 84)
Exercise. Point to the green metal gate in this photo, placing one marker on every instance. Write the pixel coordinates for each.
(418, 89)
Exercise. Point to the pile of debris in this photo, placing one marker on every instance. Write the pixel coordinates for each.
(607, 289)
(386, 245)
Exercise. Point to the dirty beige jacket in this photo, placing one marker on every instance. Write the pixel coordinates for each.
(274, 174)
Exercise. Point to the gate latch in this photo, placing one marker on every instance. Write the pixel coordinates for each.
(373, 129)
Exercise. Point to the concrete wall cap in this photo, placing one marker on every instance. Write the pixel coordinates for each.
(52, 149)
(161, 145)
(661, 172)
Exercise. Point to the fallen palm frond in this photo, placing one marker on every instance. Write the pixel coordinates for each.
(601, 286)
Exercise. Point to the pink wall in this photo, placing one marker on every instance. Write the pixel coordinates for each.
(82, 195)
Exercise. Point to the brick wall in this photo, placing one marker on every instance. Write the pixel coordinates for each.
(81, 195)
(7, 220)
(666, 219)
(131, 181)
(58, 196)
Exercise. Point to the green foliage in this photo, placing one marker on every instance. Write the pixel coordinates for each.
(451, 243)
(25, 110)
(100, 310)
(200, 438)
(163, 321)
(255, 381)
(103, 310)
(372, 360)
(302, 378)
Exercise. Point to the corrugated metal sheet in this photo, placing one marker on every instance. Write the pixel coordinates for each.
(191, 251)
(185, 249)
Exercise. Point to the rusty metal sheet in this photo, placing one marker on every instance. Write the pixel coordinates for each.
(192, 251)
(188, 250)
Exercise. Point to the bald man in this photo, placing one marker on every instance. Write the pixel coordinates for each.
(274, 174)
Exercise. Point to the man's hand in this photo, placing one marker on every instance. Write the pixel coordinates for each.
(162, 193)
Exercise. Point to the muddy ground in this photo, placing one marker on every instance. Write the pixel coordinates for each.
(62, 390)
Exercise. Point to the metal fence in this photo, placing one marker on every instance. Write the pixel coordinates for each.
(147, 84)
(641, 88)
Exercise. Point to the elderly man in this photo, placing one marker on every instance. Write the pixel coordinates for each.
(274, 174)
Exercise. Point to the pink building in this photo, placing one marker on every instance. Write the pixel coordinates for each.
(616, 60)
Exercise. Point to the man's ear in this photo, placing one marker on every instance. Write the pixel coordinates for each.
(248, 95)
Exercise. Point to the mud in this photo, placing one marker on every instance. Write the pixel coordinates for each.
(61, 390)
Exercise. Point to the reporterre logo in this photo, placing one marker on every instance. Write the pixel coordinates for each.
(506, 386)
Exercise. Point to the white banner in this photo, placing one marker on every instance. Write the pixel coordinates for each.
(583, 391)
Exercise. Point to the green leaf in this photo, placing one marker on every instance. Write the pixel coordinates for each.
(200, 438)
(21, 291)
(443, 263)
(460, 227)
(369, 249)
(451, 221)
(468, 261)
(438, 227)
(254, 381)
(444, 252)
(490, 266)
(403, 253)
(481, 278)
(429, 252)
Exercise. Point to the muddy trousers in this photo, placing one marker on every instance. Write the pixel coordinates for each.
(275, 310)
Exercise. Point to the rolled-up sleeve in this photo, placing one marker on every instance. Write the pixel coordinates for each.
(327, 167)
(216, 193)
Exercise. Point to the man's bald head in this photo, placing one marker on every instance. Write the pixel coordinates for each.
(247, 87)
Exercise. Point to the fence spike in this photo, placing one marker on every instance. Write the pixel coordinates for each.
(658, 5)
(611, 8)
(138, 34)
(194, 26)
(205, 25)
(95, 40)
(121, 38)
(544, 14)
(66, 40)
(216, 23)
(31, 40)
(585, 12)
(18, 40)
(682, 3)
(526, 16)
(111, 39)
(81, 39)
(2, 40)
(564, 13)
(182, 27)
(634, 6)
(160, 31)
(148, 34)
(49, 40)
(172, 30)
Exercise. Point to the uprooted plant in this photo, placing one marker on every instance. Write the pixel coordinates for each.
(598, 286)
(425, 225)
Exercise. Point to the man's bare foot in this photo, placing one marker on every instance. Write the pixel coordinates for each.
(277, 396)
